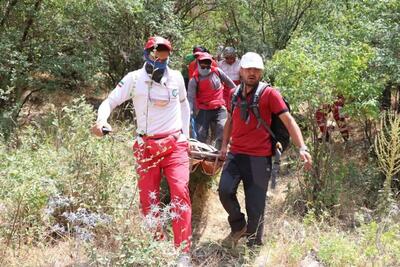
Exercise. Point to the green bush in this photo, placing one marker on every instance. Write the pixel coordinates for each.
(60, 169)
(338, 185)
(338, 250)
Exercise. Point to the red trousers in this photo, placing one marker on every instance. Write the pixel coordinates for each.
(321, 117)
(175, 167)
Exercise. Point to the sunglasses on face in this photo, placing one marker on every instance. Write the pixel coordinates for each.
(205, 66)
(161, 48)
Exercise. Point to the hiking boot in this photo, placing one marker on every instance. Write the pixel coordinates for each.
(184, 261)
(233, 238)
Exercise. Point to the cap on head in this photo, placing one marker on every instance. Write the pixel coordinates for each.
(156, 41)
(229, 52)
(199, 48)
(251, 60)
(204, 56)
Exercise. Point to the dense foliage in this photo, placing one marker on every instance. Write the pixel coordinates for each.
(57, 181)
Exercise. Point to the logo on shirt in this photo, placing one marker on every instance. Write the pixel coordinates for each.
(175, 92)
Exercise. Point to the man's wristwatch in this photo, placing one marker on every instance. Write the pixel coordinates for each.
(303, 148)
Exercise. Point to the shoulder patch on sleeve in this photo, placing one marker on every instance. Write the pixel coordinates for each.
(121, 83)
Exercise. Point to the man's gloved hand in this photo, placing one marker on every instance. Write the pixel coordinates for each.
(98, 128)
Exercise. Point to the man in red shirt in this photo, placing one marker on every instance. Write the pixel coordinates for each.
(249, 157)
(205, 95)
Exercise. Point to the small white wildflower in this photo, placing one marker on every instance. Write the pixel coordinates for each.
(70, 216)
(153, 195)
(184, 207)
(151, 221)
(167, 208)
(48, 211)
(154, 208)
(58, 228)
(83, 234)
(174, 216)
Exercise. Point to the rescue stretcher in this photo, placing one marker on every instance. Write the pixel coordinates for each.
(205, 157)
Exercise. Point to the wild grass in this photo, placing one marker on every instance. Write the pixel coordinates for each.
(70, 199)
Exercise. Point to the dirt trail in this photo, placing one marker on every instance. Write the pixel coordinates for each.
(210, 225)
(214, 225)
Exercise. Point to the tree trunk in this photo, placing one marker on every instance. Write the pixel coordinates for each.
(386, 97)
(398, 99)
(7, 10)
(29, 22)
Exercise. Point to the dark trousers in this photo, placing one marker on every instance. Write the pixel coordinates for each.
(255, 173)
(203, 121)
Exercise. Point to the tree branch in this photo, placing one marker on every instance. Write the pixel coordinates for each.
(30, 21)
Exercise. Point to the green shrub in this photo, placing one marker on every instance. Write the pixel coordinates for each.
(338, 250)
(60, 169)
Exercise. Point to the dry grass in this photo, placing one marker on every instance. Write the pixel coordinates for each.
(69, 252)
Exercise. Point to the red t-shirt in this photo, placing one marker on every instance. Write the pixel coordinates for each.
(246, 138)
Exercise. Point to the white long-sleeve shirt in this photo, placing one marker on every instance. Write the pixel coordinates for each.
(159, 107)
(231, 70)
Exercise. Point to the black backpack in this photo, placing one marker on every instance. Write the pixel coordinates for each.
(277, 130)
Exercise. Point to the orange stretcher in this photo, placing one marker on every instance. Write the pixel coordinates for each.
(205, 157)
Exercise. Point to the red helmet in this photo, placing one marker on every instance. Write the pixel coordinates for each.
(157, 40)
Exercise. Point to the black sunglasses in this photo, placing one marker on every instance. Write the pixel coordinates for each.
(205, 67)
(161, 47)
(205, 64)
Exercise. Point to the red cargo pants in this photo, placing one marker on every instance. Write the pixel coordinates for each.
(175, 167)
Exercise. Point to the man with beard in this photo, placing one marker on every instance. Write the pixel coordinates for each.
(250, 151)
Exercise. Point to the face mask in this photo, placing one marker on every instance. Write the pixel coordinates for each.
(156, 64)
(203, 72)
(156, 74)
(155, 68)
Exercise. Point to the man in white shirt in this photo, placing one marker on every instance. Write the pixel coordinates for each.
(162, 116)
(230, 65)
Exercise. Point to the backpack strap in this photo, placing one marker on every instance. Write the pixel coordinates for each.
(256, 111)
(235, 96)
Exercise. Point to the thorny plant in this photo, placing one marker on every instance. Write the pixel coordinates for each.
(80, 222)
(161, 214)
